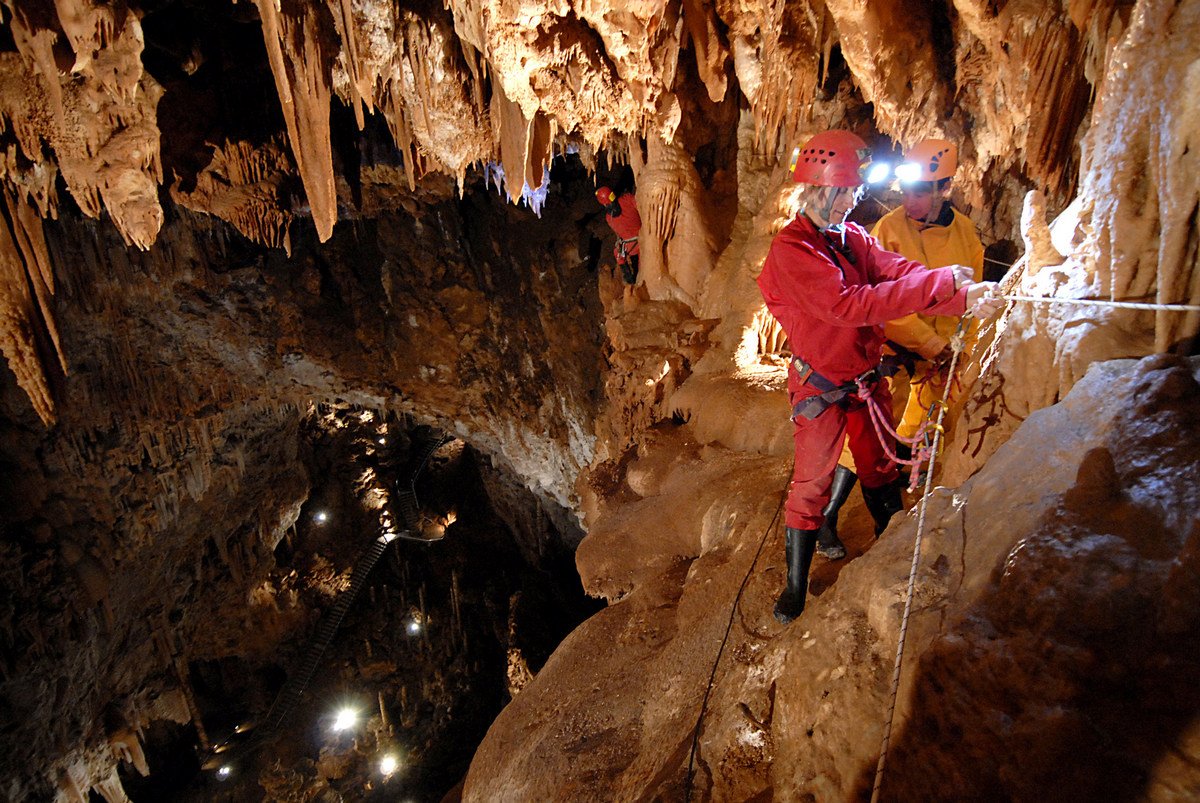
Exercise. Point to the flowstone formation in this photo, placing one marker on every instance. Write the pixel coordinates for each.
(225, 222)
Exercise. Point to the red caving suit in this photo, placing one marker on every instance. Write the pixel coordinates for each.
(626, 225)
(833, 310)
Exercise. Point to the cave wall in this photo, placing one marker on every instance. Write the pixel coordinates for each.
(148, 514)
(286, 202)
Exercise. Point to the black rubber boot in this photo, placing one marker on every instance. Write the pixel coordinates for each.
(828, 543)
(883, 503)
(800, 545)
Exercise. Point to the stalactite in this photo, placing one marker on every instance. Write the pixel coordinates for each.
(247, 186)
(300, 60)
(28, 333)
(100, 119)
(786, 65)
(511, 131)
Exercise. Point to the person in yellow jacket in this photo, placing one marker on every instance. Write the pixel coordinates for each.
(926, 228)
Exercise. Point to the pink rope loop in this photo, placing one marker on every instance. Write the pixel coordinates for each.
(881, 422)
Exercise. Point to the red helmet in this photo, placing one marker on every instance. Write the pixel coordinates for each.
(831, 159)
(605, 196)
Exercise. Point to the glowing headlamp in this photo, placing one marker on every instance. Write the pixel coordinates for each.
(875, 172)
(908, 172)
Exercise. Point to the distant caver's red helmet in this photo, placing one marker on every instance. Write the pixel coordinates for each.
(605, 196)
(832, 159)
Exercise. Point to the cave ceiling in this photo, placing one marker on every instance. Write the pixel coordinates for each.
(258, 112)
(236, 233)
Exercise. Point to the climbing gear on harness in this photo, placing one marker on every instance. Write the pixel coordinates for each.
(799, 545)
(828, 543)
(831, 394)
(623, 244)
(883, 503)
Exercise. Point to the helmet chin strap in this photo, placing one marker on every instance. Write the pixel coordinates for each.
(826, 210)
(826, 213)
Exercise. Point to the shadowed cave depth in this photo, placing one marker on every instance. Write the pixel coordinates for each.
(443, 633)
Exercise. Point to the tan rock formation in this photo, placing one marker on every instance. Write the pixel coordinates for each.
(147, 533)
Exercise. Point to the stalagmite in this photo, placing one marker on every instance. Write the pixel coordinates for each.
(1039, 248)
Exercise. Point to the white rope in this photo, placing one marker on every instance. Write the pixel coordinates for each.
(1088, 302)
(912, 573)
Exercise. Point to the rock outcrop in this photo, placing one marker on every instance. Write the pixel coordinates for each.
(220, 226)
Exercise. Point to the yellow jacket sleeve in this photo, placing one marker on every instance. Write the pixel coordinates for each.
(915, 335)
(912, 331)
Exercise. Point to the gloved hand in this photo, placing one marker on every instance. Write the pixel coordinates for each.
(982, 301)
(963, 276)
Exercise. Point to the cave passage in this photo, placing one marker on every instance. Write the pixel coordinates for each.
(463, 606)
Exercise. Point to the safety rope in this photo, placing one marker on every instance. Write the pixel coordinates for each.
(687, 790)
(1091, 302)
(957, 345)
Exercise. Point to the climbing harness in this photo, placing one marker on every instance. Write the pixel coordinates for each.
(687, 789)
(831, 394)
(623, 247)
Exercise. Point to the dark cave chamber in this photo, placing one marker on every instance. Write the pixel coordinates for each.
(451, 622)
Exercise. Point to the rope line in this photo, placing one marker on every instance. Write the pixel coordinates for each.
(687, 790)
(1091, 302)
(912, 572)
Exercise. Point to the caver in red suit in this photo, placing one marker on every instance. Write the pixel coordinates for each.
(833, 308)
(832, 287)
(622, 216)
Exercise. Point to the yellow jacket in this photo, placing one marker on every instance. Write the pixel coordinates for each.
(934, 247)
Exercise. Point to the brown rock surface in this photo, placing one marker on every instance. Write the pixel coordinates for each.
(1037, 599)
(268, 241)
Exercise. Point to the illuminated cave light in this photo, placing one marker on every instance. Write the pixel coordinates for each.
(345, 719)
(224, 772)
(321, 517)
(877, 172)
(908, 171)
(388, 764)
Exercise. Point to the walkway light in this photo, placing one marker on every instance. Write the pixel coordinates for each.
(345, 719)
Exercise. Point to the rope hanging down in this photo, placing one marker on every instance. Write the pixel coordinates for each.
(957, 343)
(687, 788)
